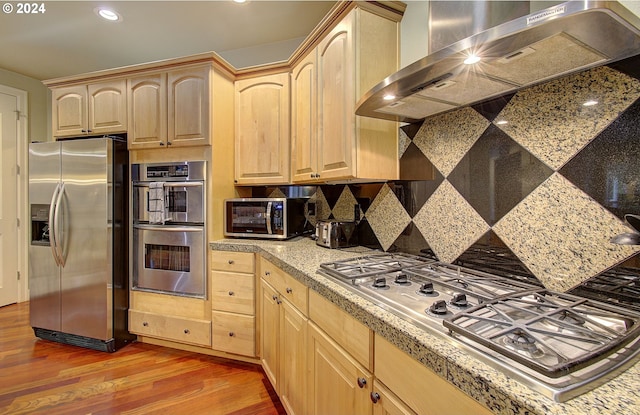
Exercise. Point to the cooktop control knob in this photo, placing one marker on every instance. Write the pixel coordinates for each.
(426, 288)
(438, 307)
(402, 279)
(459, 300)
(380, 282)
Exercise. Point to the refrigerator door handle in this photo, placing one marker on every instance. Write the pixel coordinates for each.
(52, 225)
(56, 219)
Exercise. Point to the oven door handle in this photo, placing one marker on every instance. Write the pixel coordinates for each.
(169, 228)
(171, 184)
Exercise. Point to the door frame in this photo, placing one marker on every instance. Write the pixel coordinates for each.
(22, 186)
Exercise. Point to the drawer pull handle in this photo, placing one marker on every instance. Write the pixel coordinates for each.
(276, 299)
(231, 262)
(144, 323)
(186, 331)
(289, 290)
(231, 334)
(267, 273)
(231, 293)
(375, 397)
(362, 382)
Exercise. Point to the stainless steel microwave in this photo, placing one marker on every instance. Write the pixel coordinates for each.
(269, 218)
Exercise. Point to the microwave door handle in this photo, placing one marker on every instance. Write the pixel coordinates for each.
(52, 224)
(269, 207)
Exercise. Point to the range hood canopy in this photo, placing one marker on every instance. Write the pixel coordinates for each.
(548, 44)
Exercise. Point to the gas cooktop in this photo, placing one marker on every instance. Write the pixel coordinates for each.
(559, 344)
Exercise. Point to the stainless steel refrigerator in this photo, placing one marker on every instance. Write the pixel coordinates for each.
(78, 256)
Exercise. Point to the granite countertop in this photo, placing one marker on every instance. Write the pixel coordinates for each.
(301, 257)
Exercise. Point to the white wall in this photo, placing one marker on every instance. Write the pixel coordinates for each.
(39, 98)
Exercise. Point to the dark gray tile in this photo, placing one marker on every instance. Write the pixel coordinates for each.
(608, 168)
(496, 174)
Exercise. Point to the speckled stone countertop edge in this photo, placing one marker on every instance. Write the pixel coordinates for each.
(301, 258)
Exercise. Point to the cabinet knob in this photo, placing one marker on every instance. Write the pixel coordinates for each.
(231, 334)
(161, 144)
(168, 143)
(289, 290)
(144, 323)
(276, 299)
(231, 293)
(375, 397)
(362, 382)
(186, 331)
(267, 273)
(231, 262)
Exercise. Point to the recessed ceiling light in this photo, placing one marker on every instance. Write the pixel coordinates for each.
(239, 1)
(108, 14)
(472, 59)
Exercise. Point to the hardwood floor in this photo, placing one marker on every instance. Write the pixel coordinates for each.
(38, 377)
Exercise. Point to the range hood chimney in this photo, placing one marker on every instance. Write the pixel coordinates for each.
(526, 50)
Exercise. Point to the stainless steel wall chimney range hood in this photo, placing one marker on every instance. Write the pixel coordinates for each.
(547, 44)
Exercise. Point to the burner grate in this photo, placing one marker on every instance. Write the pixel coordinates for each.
(552, 333)
(372, 265)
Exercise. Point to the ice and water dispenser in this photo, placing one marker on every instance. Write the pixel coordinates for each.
(39, 224)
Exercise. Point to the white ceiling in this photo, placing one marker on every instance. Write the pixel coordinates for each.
(68, 38)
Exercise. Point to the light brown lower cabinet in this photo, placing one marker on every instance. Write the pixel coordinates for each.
(283, 331)
(338, 384)
(386, 402)
(182, 330)
(421, 389)
(233, 303)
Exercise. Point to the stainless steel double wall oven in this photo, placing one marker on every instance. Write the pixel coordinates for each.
(169, 228)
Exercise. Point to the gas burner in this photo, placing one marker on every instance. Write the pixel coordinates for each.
(427, 290)
(402, 279)
(380, 284)
(522, 342)
(570, 317)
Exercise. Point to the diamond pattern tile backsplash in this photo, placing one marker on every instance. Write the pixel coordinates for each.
(540, 179)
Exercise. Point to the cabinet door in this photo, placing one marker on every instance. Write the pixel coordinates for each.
(386, 403)
(337, 384)
(304, 114)
(293, 353)
(262, 130)
(336, 102)
(269, 332)
(188, 97)
(69, 111)
(147, 111)
(107, 107)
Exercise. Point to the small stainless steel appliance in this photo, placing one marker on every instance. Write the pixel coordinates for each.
(169, 248)
(264, 217)
(558, 344)
(78, 261)
(336, 234)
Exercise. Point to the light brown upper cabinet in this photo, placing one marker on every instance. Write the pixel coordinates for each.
(93, 109)
(170, 108)
(360, 51)
(262, 130)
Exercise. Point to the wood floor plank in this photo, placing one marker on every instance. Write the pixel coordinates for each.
(42, 377)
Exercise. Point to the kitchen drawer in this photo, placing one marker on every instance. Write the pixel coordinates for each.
(234, 333)
(233, 292)
(287, 286)
(418, 387)
(183, 330)
(233, 261)
(349, 333)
